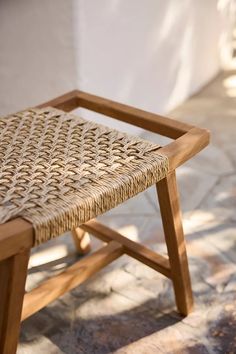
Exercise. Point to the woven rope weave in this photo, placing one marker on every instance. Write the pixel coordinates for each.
(58, 171)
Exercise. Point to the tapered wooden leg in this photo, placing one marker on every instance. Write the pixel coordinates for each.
(172, 225)
(13, 272)
(81, 240)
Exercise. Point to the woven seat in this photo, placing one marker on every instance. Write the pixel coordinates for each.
(58, 171)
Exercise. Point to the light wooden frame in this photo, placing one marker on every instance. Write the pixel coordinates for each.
(17, 236)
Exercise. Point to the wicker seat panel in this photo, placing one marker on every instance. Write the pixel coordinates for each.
(58, 170)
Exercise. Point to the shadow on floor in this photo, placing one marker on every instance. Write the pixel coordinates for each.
(101, 334)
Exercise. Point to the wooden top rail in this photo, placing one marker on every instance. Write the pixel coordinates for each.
(146, 120)
(66, 102)
(185, 147)
(189, 139)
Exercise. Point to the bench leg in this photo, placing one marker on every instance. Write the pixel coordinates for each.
(81, 240)
(13, 272)
(172, 225)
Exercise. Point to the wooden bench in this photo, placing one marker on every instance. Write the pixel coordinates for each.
(17, 235)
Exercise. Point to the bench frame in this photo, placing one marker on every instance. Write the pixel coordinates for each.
(17, 236)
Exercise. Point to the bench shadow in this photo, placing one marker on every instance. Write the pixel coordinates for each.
(102, 334)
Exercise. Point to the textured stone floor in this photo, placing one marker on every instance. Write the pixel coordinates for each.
(128, 308)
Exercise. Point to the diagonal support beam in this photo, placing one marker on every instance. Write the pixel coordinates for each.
(73, 276)
(133, 249)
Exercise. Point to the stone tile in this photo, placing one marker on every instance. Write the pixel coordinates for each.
(35, 279)
(38, 325)
(215, 88)
(146, 229)
(223, 238)
(168, 340)
(109, 279)
(203, 111)
(222, 327)
(141, 348)
(212, 161)
(152, 234)
(49, 259)
(41, 346)
(106, 332)
(194, 111)
(222, 200)
(199, 220)
(138, 205)
(207, 264)
(136, 293)
(139, 270)
(129, 226)
(193, 186)
(151, 194)
(230, 147)
(110, 305)
(231, 287)
(64, 243)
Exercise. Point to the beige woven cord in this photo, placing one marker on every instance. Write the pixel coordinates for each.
(58, 170)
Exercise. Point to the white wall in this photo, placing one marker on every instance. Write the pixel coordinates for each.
(37, 58)
(151, 54)
(148, 53)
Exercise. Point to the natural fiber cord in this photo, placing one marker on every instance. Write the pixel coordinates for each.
(59, 171)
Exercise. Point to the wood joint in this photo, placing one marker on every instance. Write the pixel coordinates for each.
(131, 248)
(67, 280)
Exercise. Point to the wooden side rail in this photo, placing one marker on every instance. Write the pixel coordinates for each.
(73, 276)
(140, 118)
(146, 120)
(131, 248)
(185, 147)
(66, 102)
(189, 140)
